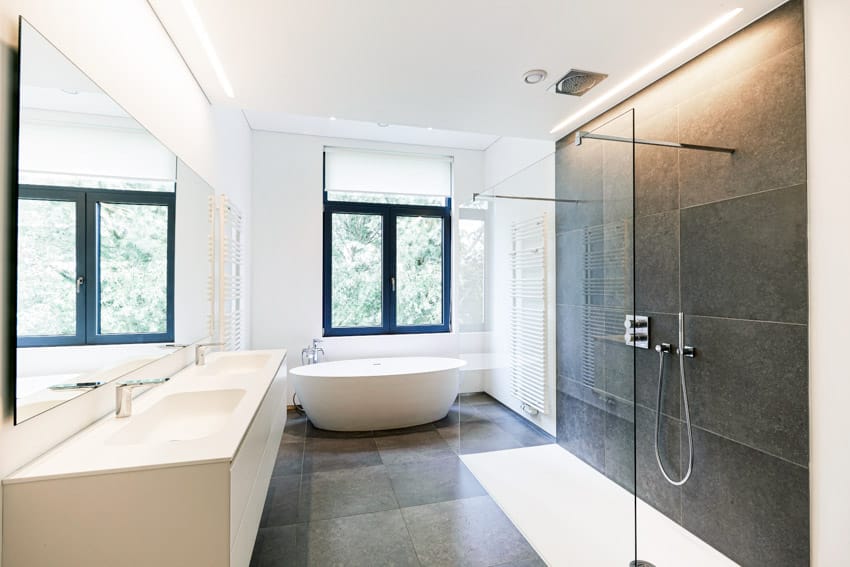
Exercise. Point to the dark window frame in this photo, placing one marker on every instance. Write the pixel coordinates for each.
(389, 214)
(88, 301)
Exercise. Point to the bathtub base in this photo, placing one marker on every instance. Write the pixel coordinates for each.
(414, 394)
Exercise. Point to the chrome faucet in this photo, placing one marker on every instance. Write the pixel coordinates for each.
(201, 352)
(310, 355)
(124, 394)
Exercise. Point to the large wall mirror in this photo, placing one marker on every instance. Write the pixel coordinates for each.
(112, 238)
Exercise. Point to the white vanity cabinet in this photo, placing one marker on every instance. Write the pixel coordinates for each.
(99, 500)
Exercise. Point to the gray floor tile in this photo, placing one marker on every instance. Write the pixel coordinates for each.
(536, 562)
(276, 547)
(492, 411)
(478, 437)
(475, 398)
(471, 532)
(313, 432)
(369, 540)
(411, 448)
(435, 480)
(281, 507)
(332, 454)
(459, 412)
(295, 429)
(290, 457)
(403, 430)
(526, 434)
(346, 492)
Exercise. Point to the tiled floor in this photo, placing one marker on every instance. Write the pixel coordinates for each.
(397, 498)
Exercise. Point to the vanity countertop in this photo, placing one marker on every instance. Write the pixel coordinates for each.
(199, 416)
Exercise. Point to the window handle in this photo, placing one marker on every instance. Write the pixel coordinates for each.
(80, 281)
(392, 281)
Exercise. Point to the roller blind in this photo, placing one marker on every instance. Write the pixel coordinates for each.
(68, 147)
(384, 172)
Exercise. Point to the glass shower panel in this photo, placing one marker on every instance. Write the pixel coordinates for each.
(546, 416)
(596, 369)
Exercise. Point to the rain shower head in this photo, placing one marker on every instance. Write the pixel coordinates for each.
(576, 82)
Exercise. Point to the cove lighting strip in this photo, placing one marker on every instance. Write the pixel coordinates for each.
(198, 25)
(649, 68)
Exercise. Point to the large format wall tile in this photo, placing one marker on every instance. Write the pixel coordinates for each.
(569, 338)
(620, 443)
(751, 506)
(657, 263)
(570, 265)
(745, 258)
(760, 113)
(749, 382)
(656, 167)
(651, 486)
(581, 429)
(722, 238)
(617, 180)
(764, 39)
(662, 329)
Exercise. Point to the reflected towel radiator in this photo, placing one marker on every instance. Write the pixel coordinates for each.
(529, 314)
(605, 294)
(226, 251)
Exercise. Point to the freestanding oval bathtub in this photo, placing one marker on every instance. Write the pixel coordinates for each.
(377, 393)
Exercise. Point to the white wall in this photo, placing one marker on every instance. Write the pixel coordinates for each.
(122, 47)
(517, 167)
(827, 124)
(287, 249)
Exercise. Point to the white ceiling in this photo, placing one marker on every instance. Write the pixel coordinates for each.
(452, 65)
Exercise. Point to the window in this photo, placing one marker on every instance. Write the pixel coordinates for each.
(387, 226)
(472, 249)
(94, 266)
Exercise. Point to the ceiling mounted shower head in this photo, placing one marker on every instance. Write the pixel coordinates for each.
(576, 82)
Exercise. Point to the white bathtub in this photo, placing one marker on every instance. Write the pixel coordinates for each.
(377, 393)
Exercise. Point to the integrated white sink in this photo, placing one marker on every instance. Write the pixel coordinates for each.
(180, 417)
(201, 446)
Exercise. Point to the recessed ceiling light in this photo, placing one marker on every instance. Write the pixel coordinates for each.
(383, 124)
(201, 32)
(534, 76)
(648, 69)
(429, 128)
(332, 117)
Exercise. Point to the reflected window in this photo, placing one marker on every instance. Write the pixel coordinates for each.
(94, 266)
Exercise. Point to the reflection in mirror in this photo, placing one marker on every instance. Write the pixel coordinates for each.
(112, 238)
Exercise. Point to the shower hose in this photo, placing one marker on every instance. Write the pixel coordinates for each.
(662, 350)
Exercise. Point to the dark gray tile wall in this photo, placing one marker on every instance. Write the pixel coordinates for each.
(722, 238)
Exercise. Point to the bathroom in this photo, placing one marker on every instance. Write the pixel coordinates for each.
(582, 319)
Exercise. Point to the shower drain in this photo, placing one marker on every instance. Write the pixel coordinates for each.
(640, 563)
